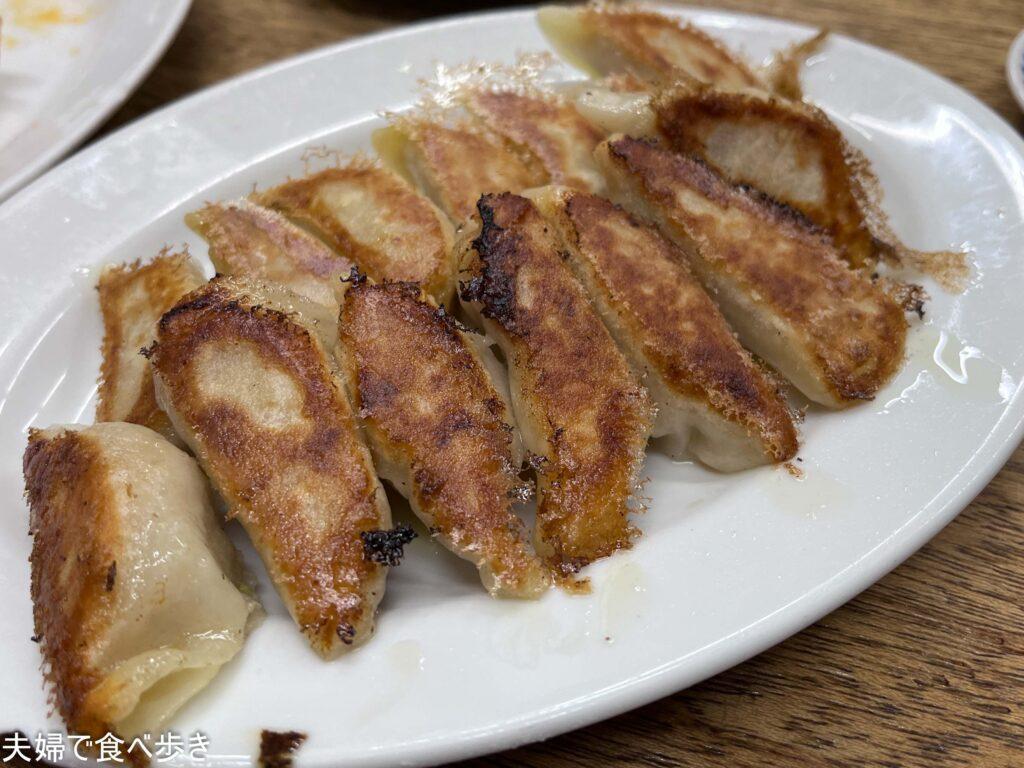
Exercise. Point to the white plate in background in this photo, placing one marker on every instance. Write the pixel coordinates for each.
(67, 64)
(1015, 69)
(727, 566)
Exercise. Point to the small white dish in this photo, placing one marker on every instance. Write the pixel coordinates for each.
(1015, 69)
(727, 565)
(65, 65)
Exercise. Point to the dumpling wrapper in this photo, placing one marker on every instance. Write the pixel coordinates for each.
(371, 216)
(440, 428)
(712, 399)
(137, 592)
(454, 163)
(132, 299)
(248, 240)
(246, 372)
(836, 335)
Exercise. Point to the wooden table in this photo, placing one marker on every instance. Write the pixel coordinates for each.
(924, 669)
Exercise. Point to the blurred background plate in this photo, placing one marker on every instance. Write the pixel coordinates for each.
(67, 64)
(1015, 69)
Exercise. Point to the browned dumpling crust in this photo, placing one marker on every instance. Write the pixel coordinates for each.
(546, 127)
(248, 240)
(135, 587)
(613, 40)
(578, 404)
(712, 398)
(374, 218)
(827, 328)
(247, 375)
(789, 150)
(132, 299)
(455, 163)
(439, 429)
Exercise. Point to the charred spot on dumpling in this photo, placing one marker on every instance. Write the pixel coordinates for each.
(498, 247)
(111, 577)
(355, 277)
(346, 633)
(911, 297)
(387, 547)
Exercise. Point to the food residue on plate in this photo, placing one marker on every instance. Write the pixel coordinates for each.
(43, 14)
(277, 748)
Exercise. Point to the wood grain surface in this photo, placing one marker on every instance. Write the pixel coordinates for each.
(924, 669)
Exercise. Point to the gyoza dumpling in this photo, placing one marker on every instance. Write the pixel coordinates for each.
(373, 217)
(789, 150)
(453, 163)
(439, 428)
(578, 404)
(134, 584)
(607, 39)
(246, 373)
(712, 399)
(793, 152)
(778, 281)
(248, 240)
(132, 299)
(544, 126)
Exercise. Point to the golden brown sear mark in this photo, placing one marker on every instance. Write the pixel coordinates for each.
(132, 299)
(612, 40)
(780, 283)
(248, 240)
(439, 429)
(253, 386)
(545, 127)
(712, 398)
(789, 150)
(577, 402)
(372, 217)
(70, 498)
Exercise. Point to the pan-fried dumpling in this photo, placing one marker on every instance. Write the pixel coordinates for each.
(439, 428)
(793, 152)
(373, 217)
(132, 299)
(578, 404)
(712, 399)
(246, 373)
(248, 240)
(544, 126)
(453, 163)
(135, 588)
(606, 40)
(789, 150)
(782, 285)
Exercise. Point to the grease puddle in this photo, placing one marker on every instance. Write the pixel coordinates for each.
(956, 366)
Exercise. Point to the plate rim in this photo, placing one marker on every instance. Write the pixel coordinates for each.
(598, 705)
(111, 98)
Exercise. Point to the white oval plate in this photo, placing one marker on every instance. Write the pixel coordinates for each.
(66, 65)
(727, 566)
